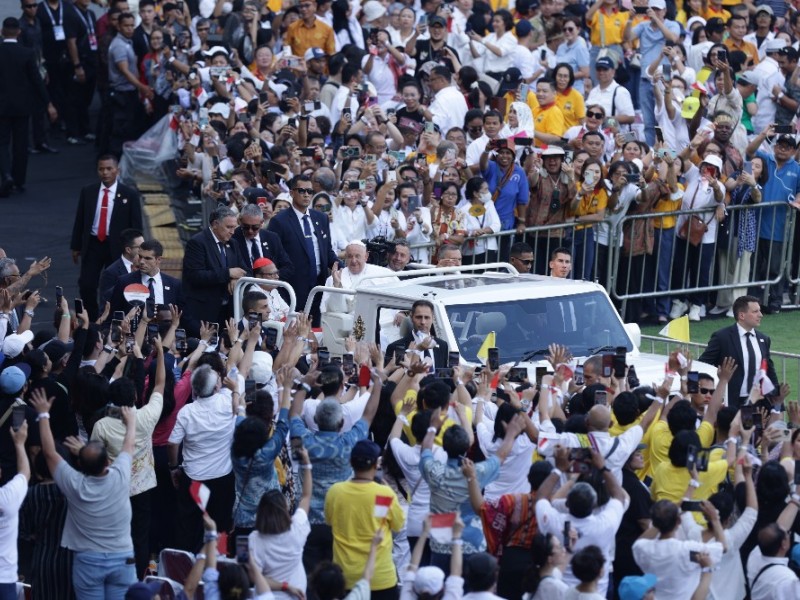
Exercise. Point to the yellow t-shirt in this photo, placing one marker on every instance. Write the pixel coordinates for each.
(710, 13)
(350, 511)
(572, 105)
(666, 205)
(448, 423)
(549, 120)
(662, 439)
(670, 482)
(590, 205)
(617, 429)
(613, 22)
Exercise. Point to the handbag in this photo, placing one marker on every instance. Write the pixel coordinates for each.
(694, 228)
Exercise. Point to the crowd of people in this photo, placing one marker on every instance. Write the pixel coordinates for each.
(649, 145)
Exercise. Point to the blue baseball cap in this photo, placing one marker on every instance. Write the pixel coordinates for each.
(13, 378)
(635, 587)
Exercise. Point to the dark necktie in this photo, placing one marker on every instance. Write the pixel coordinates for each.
(309, 242)
(751, 361)
(222, 254)
(254, 251)
(151, 286)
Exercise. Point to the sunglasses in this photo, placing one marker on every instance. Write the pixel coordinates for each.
(707, 390)
(594, 115)
(568, 29)
(528, 261)
(250, 227)
(306, 191)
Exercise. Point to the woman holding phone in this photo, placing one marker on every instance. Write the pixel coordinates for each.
(414, 222)
(588, 208)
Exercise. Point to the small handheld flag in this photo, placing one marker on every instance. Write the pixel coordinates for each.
(677, 329)
(442, 527)
(382, 505)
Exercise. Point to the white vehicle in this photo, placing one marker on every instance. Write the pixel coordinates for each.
(527, 313)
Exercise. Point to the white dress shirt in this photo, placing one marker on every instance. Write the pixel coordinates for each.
(158, 286)
(205, 427)
(744, 391)
(449, 107)
(127, 264)
(112, 192)
(768, 74)
(771, 580)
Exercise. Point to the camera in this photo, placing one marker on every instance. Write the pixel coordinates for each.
(379, 248)
(555, 201)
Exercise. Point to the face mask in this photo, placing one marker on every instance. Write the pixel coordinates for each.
(486, 197)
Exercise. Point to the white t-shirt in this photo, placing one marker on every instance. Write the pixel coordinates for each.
(12, 494)
(513, 477)
(407, 458)
(351, 411)
(550, 588)
(772, 579)
(280, 556)
(669, 561)
(598, 529)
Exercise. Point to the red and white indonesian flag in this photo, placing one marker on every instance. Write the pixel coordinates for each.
(200, 494)
(761, 377)
(382, 505)
(442, 527)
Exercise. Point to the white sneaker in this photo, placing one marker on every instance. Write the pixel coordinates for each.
(694, 313)
(702, 311)
(679, 308)
(718, 310)
(729, 313)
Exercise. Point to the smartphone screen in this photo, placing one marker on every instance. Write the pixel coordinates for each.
(567, 529)
(253, 320)
(150, 305)
(608, 365)
(601, 397)
(494, 359)
(747, 416)
(540, 373)
(214, 334)
(78, 306)
(271, 337)
(399, 354)
(691, 457)
(444, 373)
(348, 364)
(59, 295)
(17, 417)
(180, 340)
(453, 359)
(579, 375)
(324, 356)
(116, 330)
(119, 315)
(619, 362)
(659, 135)
(152, 331)
(693, 382)
(249, 386)
(242, 555)
(797, 472)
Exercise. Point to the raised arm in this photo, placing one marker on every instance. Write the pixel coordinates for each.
(371, 409)
(475, 496)
(724, 372)
(129, 418)
(612, 485)
(42, 404)
(305, 466)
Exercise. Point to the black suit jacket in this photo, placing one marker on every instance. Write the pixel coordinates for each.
(109, 277)
(439, 354)
(287, 226)
(205, 278)
(21, 87)
(724, 343)
(126, 214)
(271, 248)
(173, 290)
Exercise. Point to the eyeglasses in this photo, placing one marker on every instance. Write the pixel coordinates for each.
(526, 261)
(568, 29)
(250, 227)
(306, 191)
(594, 115)
(707, 390)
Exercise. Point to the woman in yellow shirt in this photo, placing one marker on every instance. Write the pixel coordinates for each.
(568, 99)
(607, 24)
(588, 208)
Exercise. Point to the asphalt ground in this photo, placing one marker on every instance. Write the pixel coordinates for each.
(38, 222)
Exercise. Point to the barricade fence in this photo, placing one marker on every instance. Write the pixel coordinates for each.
(645, 266)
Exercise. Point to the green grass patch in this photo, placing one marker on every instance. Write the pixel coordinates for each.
(783, 330)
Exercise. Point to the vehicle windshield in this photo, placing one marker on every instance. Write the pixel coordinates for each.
(582, 322)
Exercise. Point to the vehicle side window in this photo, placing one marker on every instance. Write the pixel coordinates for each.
(392, 323)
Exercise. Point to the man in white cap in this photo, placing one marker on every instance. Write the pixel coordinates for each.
(765, 22)
(769, 74)
(652, 35)
(352, 276)
(14, 344)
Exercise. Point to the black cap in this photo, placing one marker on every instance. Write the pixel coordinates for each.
(510, 81)
(789, 140)
(11, 23)
(437, 20)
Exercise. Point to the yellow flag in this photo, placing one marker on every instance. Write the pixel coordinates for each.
(677, 329)
(489, 342)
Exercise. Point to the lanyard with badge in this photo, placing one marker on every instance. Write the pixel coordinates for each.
(58, 28)
(90, 34)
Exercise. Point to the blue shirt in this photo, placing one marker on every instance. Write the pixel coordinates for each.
(576, 56)
(450, 493)
(781, 187)
(514, 192)
(257, 475)
(329, 452)
(651, 40)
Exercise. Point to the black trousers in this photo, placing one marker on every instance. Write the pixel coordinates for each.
(190, 519)
(127, 116)
(319, 546)
(97, 257)
(79, 97)
(141, 510)
(14, 148)
(163, 500)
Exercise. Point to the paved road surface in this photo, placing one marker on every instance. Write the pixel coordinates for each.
(39, 222)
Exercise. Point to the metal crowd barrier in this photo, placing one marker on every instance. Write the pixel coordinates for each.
(635, 278)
